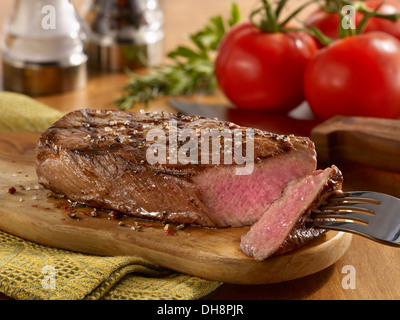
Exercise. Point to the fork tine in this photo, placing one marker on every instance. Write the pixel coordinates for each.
(350, 206)
(350, 199)
(380, 213)
(357, 228)
(349, 215)
(358, 211)
(356, 196)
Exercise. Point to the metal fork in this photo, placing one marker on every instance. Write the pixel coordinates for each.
(370, 214)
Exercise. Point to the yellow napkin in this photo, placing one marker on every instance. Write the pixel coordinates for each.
(19, 112)
(29, 271)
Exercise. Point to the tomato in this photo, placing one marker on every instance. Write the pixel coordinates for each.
(263, 70)
(355, 76)
(377, 24)
(325, 21)
(328, 22)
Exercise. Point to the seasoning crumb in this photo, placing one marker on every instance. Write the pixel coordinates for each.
(94, 213)
(114, 215)
(168, 231)
(138, 227)
(72, 215)
(121, 224)
(12, 190)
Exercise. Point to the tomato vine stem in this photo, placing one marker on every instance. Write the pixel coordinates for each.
(270, 18)
(339, 7)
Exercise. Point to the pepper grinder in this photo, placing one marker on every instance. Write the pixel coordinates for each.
(43, 48)
(124, 34)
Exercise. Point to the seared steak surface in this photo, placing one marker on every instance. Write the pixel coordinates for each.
(101, 159)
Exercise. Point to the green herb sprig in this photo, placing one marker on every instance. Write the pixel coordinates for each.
(191, 69)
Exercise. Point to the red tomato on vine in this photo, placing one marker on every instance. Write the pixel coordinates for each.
(261, 65)
(355, 76)
(384, 25)
(326, 18)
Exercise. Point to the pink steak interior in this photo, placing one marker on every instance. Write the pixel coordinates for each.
(237, 200)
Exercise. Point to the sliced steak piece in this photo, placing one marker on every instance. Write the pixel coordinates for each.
(98, 158)
(282, 227)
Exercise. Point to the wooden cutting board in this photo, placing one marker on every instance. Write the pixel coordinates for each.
(365, 141)
(367, 151)
(34, 214)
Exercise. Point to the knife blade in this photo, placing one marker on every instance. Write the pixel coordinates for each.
(200, 109)
(299, 122)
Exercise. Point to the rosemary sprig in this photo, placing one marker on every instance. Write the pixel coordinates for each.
(191, 69)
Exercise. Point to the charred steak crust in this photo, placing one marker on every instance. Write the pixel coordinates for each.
(92, 132)
(98, 158)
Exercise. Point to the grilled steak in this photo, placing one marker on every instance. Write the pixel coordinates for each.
(282, 226)
(98, 158)
(113, 160)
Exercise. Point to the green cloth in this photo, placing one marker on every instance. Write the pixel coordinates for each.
(30, 271)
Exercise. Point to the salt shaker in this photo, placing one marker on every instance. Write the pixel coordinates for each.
(43, 48)
(124, 34)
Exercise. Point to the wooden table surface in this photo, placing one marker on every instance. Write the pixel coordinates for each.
(375, 267)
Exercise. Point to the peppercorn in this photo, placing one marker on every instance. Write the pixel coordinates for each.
(12, 190)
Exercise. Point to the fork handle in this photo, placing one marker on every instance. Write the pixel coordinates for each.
(372, 142)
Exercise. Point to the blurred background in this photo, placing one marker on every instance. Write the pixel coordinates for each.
(181, 18)
(190, 14)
